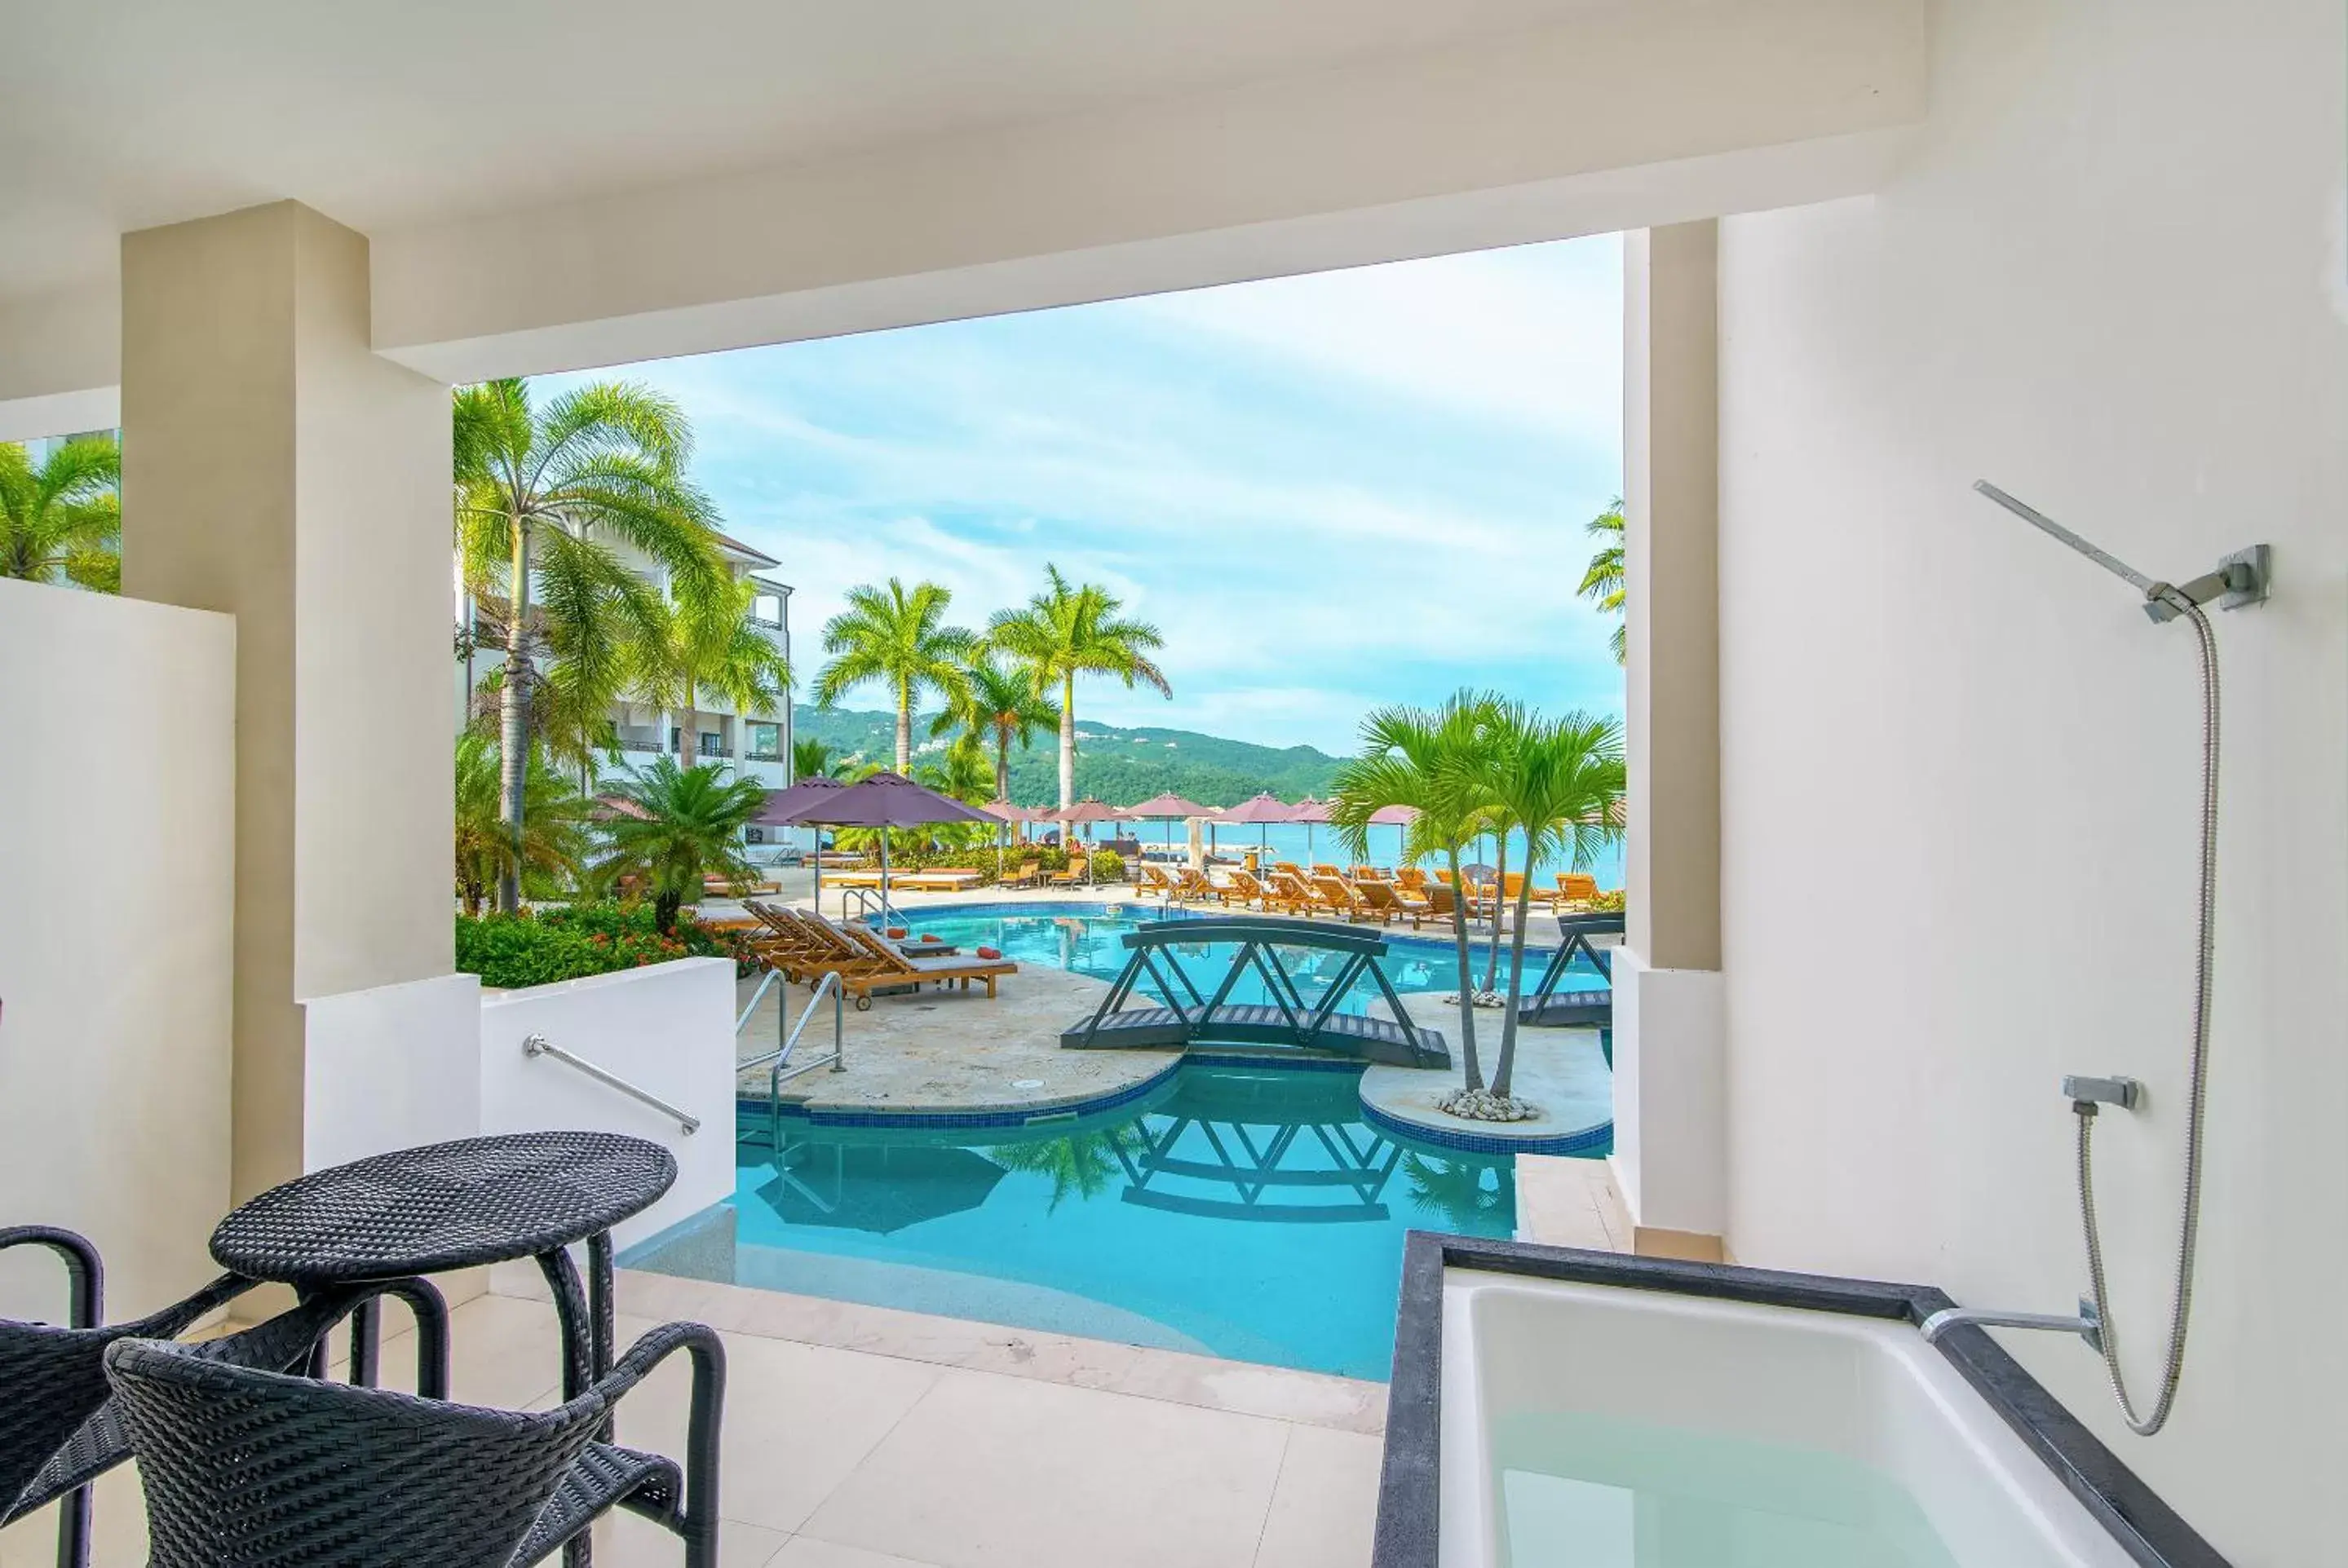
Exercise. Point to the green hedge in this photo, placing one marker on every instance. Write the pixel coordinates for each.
(538, 949)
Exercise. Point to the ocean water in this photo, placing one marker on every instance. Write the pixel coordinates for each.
(1303, 843)
(1577, 1490)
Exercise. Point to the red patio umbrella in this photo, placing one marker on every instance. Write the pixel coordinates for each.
(884, 801)
(1312, 811)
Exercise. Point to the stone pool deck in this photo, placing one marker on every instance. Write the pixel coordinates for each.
(1562, 1071)
(951, 1051)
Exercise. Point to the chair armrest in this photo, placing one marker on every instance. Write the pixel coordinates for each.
(708, 1409)
(85, 1271)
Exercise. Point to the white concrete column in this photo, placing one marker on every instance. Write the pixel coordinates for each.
(1668, 1014)
(275, 467)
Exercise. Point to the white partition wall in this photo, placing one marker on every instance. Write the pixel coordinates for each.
(116, 801)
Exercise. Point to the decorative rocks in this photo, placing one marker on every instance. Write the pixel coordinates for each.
(1483, 1105)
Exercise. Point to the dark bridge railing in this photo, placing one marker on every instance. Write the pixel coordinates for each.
(1189, 1015)
(1586, 1008)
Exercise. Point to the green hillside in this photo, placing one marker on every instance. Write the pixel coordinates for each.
(1119, 765)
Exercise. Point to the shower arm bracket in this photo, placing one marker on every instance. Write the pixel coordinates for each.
(2239, 582)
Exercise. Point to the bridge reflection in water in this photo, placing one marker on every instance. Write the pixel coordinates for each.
(1275, 1144)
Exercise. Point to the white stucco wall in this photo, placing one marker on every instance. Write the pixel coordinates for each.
(667, 1029)
(1959, 772)
(390, 1068)
(115, 899)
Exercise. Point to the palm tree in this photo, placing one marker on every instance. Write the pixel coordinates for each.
(1602, 582)
(63, 520)
(1066, 631)
(897, 636)
(1561, 784)
(1435, 761)
(811, 759)
(554, 837)
(541, 490)
(705, 642)
(676, 826)
(1000, 707)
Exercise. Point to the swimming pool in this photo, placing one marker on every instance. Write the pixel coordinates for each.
(1240, 1209)
(1087, 938)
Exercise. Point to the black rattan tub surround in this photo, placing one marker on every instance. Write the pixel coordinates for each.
(244, 1469)
(58, 1430)
(1408, 1497)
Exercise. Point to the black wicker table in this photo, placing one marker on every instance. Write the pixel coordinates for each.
(458, 1206)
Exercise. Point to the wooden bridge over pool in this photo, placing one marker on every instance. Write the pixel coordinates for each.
(1175, 1012)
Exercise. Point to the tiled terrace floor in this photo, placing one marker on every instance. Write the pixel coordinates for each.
(862, 1438)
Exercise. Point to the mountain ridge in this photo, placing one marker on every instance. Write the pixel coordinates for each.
(1119, 765)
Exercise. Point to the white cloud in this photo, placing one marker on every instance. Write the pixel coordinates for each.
(1533, 336)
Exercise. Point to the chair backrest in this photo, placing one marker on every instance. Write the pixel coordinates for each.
(1319, 869)
(1376, 895)
(874, 948)
(1577, 884)
(1410, 876)
(244, 1469)
(1441, 897)
(1245, 881)
(51, 1382)
(1288, 867)
(1333, 890)
(1512, 883)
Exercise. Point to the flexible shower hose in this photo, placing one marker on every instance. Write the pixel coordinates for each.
(2181, 1303)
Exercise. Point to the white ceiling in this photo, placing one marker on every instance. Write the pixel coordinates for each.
(119, 114)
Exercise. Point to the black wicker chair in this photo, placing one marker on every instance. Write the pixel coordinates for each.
(245, 1468)
(59, 1431)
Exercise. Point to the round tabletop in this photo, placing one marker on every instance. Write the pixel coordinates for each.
(443, 1206)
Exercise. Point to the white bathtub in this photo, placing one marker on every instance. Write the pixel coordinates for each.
(1519, 1350)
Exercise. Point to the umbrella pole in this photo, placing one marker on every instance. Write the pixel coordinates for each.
(887, 918)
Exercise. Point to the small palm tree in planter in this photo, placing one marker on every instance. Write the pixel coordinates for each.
(674, 827)
(1559, 782)
(1437, 761)
(554, 826)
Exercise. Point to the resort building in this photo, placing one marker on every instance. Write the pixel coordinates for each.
(756, 744)
(1915, 866)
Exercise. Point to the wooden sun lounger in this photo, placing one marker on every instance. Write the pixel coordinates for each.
(1193, 886)
(1331, 893)
(1287, 890)
(945, 879)
(1030, 873)
(892, 968)
(1381, 899)
(1244, 888)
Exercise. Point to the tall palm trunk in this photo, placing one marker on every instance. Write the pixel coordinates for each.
(1500, 886)
(904, 726)
(687, 742)
(513, 720)
(1068, 751)
(1475, 1074)
(1515, 984)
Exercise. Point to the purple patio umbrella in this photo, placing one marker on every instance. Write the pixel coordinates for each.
(1400, 816)
(1088, 812)
(1168, 808)
(781, 802)
(1311, 812)
(884, 801)
(1258, 809)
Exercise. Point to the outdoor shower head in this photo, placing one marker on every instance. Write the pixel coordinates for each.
(2240, 578)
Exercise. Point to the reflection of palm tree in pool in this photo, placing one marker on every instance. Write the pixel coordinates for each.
(1084, 1164)
(1455, 1188)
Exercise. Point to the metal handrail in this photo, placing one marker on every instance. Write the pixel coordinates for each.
(538, 1045)
(777, 1060)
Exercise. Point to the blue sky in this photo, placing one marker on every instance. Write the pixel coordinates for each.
(1329, 492)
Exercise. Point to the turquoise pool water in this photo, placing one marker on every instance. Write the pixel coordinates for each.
(1238, 1210)
(1085, 938)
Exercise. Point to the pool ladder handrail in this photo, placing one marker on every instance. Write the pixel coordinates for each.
(777, 1062)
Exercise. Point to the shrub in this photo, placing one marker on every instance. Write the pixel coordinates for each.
(538, 949)
(1107, 865)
